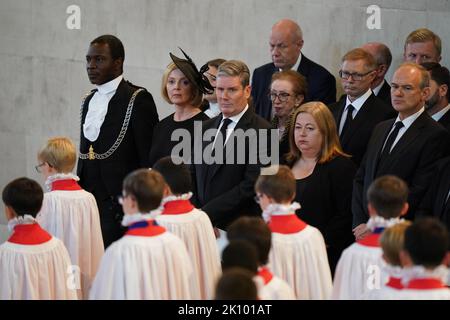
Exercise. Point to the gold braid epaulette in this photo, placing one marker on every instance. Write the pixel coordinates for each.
(91, 155)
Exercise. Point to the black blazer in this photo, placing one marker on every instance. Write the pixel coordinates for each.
(385, 93)
(226, 191)
(326, 201)
(445, 120)
(355, 139)
(321, 85)
(133, 151)
(413, 159)
(434, 202)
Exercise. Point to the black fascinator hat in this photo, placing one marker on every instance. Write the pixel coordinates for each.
(196, 77)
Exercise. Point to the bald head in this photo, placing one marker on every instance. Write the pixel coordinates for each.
(289, 26)
(383, 59)
(286, 42)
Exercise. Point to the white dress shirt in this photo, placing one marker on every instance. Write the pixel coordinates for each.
(357, 104)
(98, 107)
(213, 110)
(438, 115)
(234, 121)
(407, 122)
(377, 89)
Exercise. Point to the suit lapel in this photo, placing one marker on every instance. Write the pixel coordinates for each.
(303, 68)
(242, 124)
(444, 187)
(360, 119)
(379, 141)
(207, 170)
(409, 136)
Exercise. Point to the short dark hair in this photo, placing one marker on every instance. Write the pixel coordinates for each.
(427, 242)
(236, 284)
(280, 186)
(146, 186)
(388, 194)
(240, 253)
(215, 62)
(255, 231)
(438, 73)
(24, 196)
(115, 45)
(177, 176)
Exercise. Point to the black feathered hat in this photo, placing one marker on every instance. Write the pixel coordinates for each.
(196, 77)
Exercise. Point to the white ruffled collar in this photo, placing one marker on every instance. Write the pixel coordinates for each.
(276, 209)
(59, 176)
(393, 271)
(380, 222)
(129, 219)
(420, 272)
(26, 219)
(184, 196)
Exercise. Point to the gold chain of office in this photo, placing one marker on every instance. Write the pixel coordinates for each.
(91, 155)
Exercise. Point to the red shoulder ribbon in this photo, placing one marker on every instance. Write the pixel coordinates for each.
(372, 240)
(265, 274)
(395, 283)
(178, 207)
(286, 224)
(29, 234)
(65, 185)
(145, 229)
(425, 284)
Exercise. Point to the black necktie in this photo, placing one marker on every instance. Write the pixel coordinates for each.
(389, 142)
(223, 130)
(348, 119)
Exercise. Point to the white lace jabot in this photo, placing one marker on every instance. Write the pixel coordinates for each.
(275, 209)
(26, 219)
(59, 176)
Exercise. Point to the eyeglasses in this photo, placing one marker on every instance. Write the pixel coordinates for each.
(282, 96)
(355, 76)
(210, 76)
(38, 167)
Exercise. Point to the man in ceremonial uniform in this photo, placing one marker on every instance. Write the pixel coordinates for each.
(117, 120)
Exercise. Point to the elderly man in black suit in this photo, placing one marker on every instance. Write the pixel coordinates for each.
(408, 146)
(286, 43)
(383, 58)
(117, 120)
(359, 111)
(225, 191)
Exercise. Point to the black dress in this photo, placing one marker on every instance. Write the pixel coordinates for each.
(162, 144)
(325, 197)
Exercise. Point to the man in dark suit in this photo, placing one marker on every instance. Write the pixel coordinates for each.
(286, 42)
(225, 191)
(383, 57)
(117, 120)
(436, 202)
(422, 45)
(437, 104)
(359, 111)
(408, 146)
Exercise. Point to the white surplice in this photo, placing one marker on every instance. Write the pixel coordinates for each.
(359, 270)
(73, 217)
(194, 227)
(35, 266)
(153, 266)
(270, 287)
(298, 254)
